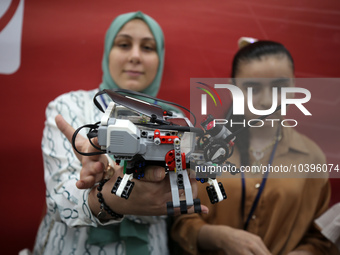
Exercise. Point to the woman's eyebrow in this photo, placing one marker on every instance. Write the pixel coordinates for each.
(280, 81)
(124, 35)
(148, 39)
(251, 83)
(130, 37)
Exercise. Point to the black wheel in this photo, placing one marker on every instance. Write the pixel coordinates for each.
(211, 149)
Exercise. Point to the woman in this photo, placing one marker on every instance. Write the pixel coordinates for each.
(262, 215)
(74, 223)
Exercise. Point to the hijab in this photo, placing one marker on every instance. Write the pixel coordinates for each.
(115, 27)
(156, 30)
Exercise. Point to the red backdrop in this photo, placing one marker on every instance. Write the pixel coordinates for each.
(61, 50)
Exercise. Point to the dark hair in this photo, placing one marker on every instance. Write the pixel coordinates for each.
(253, 51)
(257, 50)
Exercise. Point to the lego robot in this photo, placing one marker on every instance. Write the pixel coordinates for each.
(140, 134)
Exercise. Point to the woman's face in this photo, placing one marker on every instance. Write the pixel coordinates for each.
(262, 75)
(133, 59)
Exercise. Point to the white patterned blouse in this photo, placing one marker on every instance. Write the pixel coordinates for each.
(69, 222)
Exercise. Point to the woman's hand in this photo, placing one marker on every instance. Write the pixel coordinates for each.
(92, 166)
(231, 240)
(149, 195)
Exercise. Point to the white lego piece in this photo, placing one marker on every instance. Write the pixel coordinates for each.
(126, 178)
(121, 125)
(219, 152)
(217, 188)
(174, 189)
(187, 189)
(107, 113)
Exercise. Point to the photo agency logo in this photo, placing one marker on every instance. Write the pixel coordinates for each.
(11, 18)
(281, 99)
(204, 97)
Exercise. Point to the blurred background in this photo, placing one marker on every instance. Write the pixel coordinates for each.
(51, 47)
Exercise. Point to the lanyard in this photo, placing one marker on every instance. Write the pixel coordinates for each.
(263, 183)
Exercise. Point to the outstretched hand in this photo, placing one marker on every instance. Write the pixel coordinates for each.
(92, 166)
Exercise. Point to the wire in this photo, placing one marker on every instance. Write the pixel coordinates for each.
(122, 91)
(74, 136)
(96, 101)
(172, 127)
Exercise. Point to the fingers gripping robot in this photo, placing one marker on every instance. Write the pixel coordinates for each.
(141, 134)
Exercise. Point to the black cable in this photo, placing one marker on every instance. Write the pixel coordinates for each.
(74, 136)
(141, 95)
(96, 101)
(172, 127)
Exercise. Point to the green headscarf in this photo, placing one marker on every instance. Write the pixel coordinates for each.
(153, 88)
(117, 24)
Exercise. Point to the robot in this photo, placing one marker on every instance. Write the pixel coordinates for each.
(141, 134)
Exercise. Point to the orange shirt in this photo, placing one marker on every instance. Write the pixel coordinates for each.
(289, 204)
